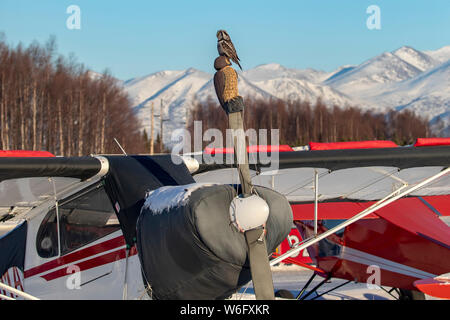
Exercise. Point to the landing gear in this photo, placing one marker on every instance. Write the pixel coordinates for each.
(406, 295)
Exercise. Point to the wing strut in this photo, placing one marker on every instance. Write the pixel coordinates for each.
(16, 292)
(316, 199)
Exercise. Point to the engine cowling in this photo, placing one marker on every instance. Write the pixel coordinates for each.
(188, 247)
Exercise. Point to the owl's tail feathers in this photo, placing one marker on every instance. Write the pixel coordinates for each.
(237, 62)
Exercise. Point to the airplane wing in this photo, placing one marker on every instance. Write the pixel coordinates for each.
(354, 174)
(27, 179)
(75, 167)
(26, 182)
(336, 159)
(357, 183)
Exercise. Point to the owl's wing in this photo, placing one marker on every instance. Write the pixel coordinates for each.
(230, 51)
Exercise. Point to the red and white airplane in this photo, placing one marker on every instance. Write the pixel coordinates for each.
(68, 225)
(365, 207)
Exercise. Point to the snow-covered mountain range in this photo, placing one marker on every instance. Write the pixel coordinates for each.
(402, 79)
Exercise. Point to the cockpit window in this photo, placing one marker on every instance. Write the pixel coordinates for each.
(83, 218)
(47, 236)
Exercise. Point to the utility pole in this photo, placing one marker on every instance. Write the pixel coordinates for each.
(161, 121)
(152, 125)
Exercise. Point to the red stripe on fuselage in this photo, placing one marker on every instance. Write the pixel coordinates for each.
(75, 256)
(91, 263)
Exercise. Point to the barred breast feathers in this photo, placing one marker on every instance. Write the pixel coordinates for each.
(231, 83)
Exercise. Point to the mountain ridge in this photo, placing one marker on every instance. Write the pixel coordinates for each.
(390, 80)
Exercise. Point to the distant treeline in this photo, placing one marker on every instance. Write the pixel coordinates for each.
(53, 103)
(301, 122)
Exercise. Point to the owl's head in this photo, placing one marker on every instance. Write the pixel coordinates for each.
(222, 35)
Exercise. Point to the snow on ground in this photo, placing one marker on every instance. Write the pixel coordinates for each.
(293, 278)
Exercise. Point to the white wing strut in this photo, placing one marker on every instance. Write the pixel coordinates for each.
(16, 292)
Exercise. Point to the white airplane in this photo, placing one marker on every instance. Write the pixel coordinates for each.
(66, 238)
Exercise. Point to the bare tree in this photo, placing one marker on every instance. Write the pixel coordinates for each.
(53, 103)
(301, 122)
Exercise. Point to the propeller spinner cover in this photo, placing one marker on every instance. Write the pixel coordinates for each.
(248, 213)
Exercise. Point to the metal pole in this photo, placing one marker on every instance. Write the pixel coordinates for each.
(125, 283)
(380, 204)
(17, 292)
(122, 149)
(57, 216)
(152, 130)
(161, 124)
(2, 296)
(315, 288)
(316, 196)
(306, 286)
(337, 287)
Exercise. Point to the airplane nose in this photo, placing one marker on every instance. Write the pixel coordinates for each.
(188, 245)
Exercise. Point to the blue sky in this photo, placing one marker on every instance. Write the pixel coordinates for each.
(135, 38)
